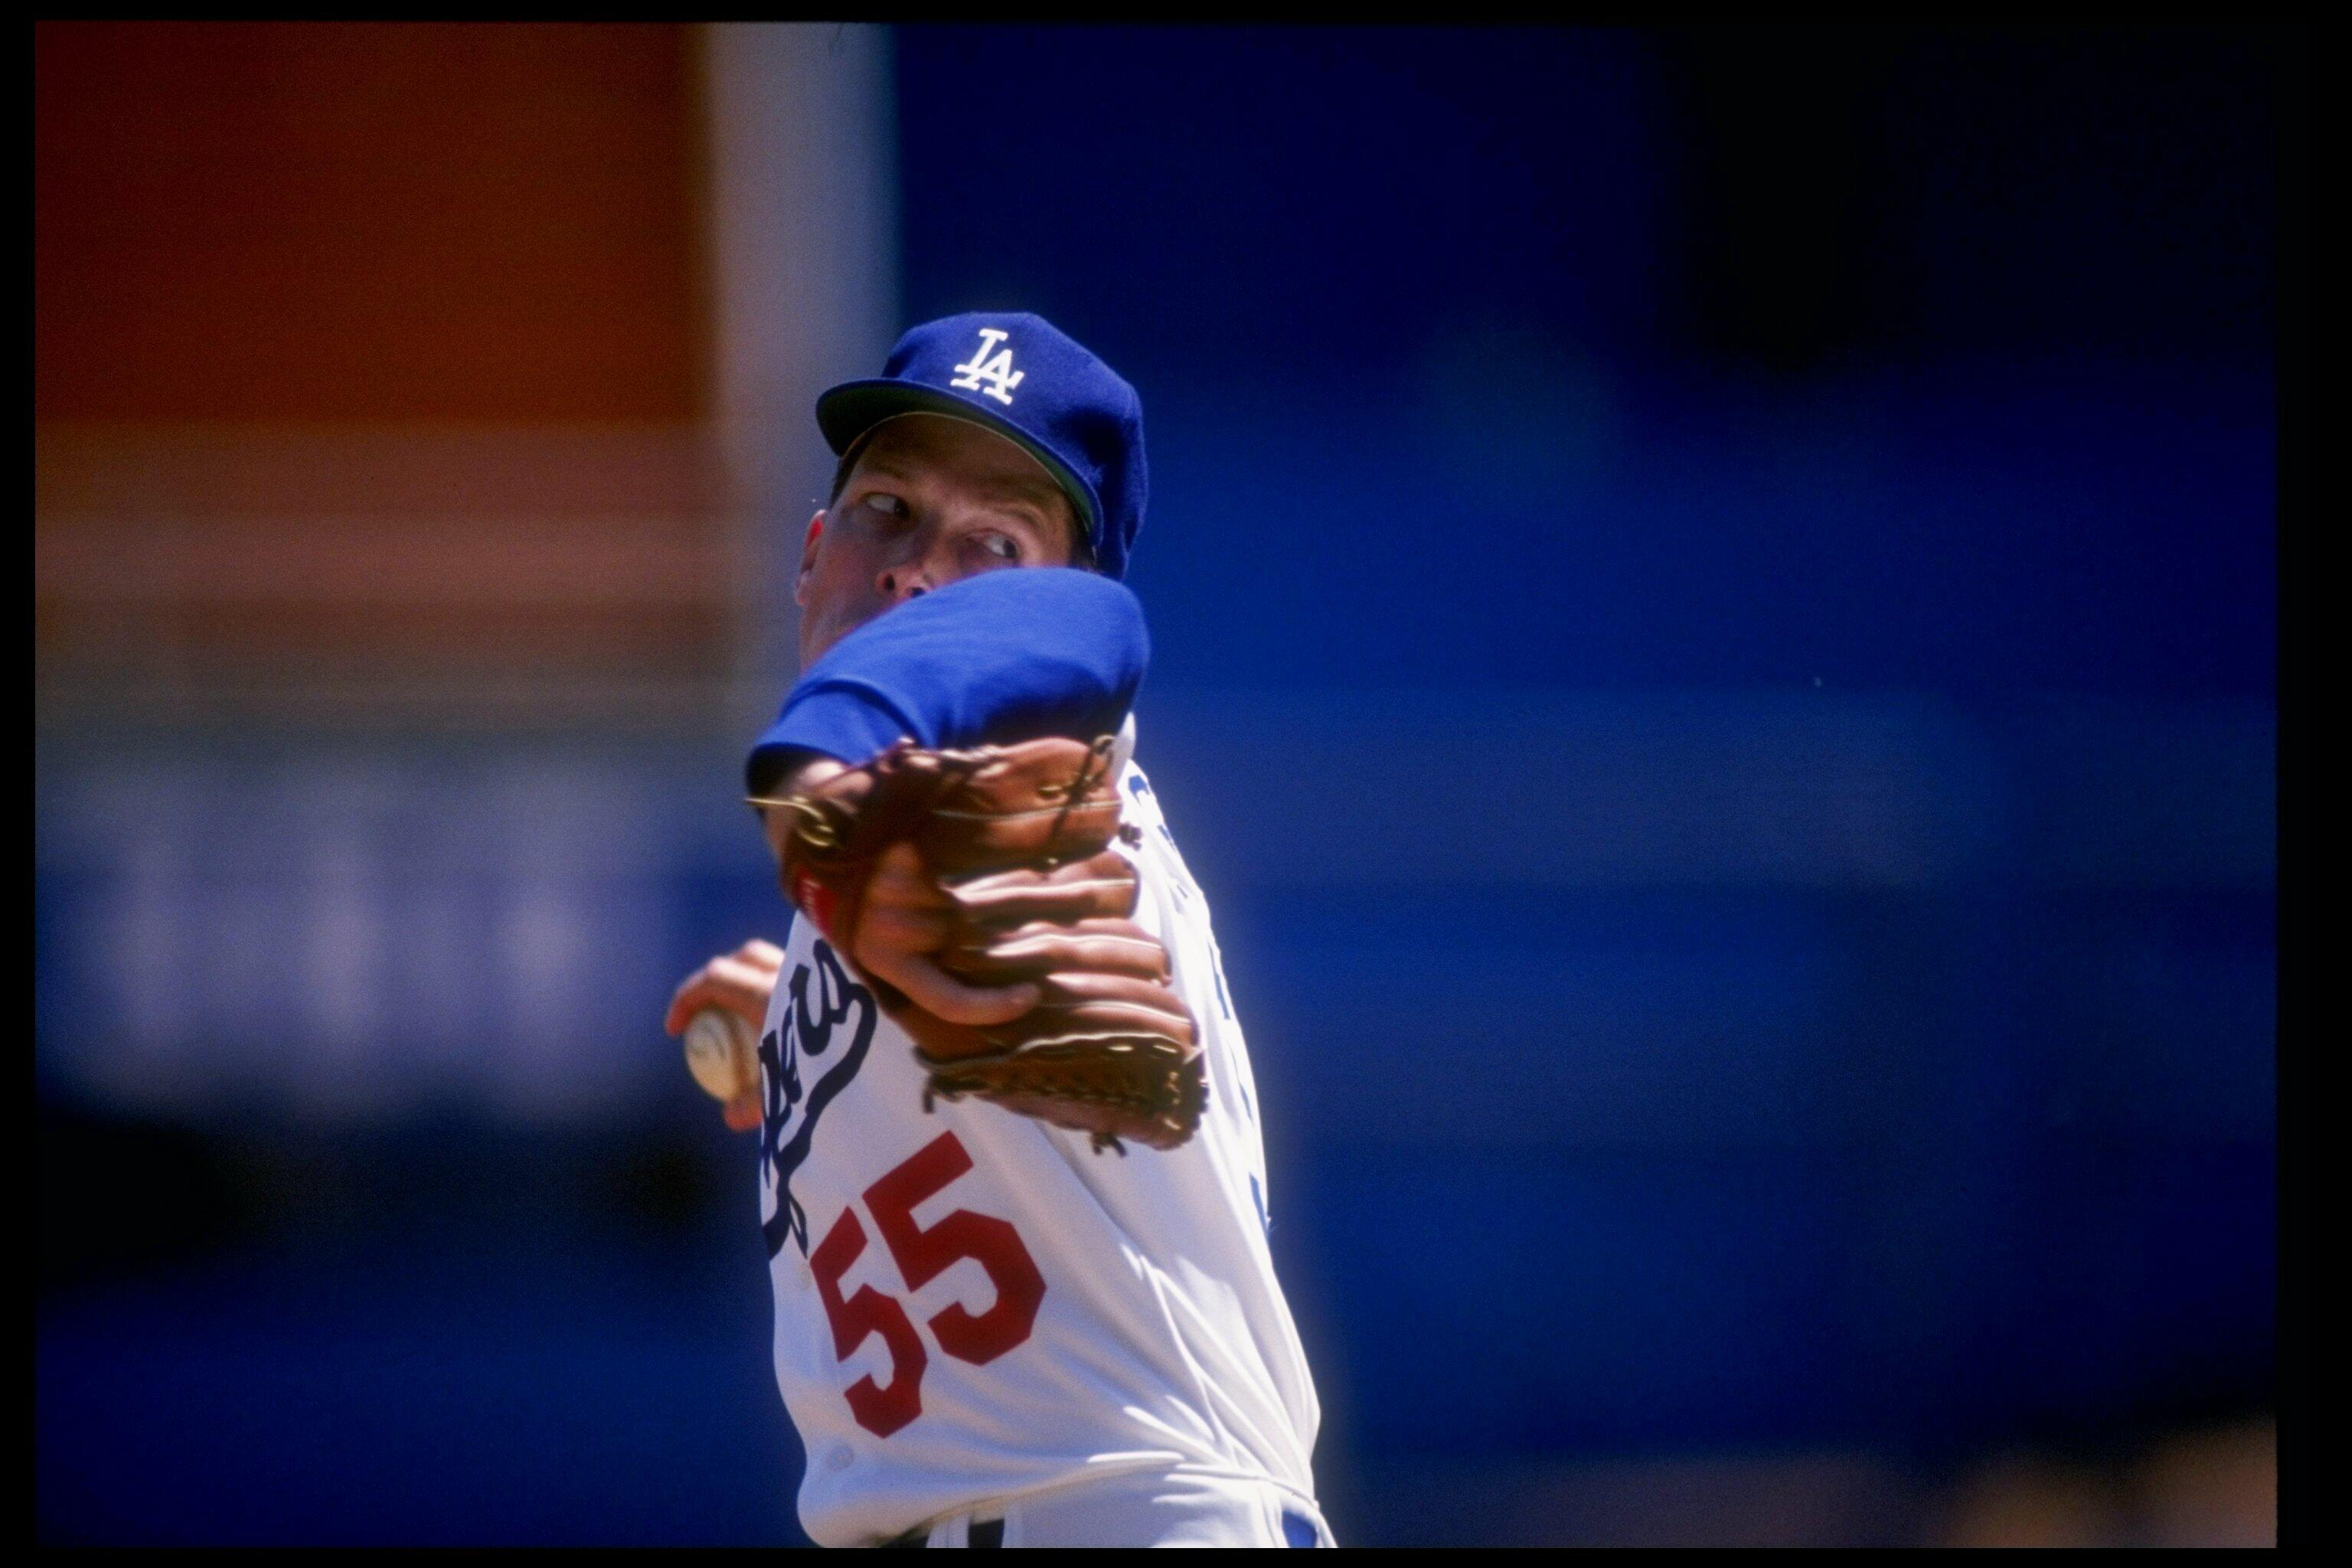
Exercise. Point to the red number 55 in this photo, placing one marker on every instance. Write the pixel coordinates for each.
(922, 1255)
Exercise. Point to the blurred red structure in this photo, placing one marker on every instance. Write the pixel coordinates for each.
(368, 224)
(371, 355)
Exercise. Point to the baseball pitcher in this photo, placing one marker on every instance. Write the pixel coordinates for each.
(1011, 1177)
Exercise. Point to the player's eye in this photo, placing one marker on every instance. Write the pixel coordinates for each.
(1001, 546)
(885, 504)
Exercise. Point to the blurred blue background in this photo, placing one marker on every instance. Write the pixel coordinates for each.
(1712, 596)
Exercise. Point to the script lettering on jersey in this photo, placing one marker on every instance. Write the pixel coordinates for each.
(828, 1023)
(993, 378)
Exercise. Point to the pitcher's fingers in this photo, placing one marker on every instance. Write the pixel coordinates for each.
(1049, 947)
(1102, 887)
(742, 988)
(762, 954)
(742, 1112)
(944, 996)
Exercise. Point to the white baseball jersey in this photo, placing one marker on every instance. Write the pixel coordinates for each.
(972, 1306)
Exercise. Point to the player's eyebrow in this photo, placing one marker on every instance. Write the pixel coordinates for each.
(882, 467)
(1021, 486)
(1040, 493)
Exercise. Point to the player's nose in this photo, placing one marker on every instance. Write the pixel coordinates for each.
(901, 583)
(930, 564)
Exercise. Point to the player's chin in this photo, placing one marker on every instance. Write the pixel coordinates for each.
(834, 627)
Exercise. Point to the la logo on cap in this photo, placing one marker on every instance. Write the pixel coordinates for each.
(996, 377)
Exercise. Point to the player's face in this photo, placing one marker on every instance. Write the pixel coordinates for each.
(931, 499)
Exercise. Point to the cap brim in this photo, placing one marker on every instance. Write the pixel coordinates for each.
(848, 411)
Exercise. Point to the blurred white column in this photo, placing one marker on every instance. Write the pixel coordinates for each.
(803, 224)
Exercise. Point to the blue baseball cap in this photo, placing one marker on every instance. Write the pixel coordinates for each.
(1024, 378)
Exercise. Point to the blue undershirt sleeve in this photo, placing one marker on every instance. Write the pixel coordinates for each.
(1003, 657)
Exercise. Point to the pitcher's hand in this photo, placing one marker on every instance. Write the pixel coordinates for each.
(740, 982)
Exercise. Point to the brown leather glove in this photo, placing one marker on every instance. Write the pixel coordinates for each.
(1017, 839)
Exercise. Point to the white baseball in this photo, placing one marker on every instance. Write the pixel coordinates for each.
(722, 1053)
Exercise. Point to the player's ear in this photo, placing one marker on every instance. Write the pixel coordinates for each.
(808, 560)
